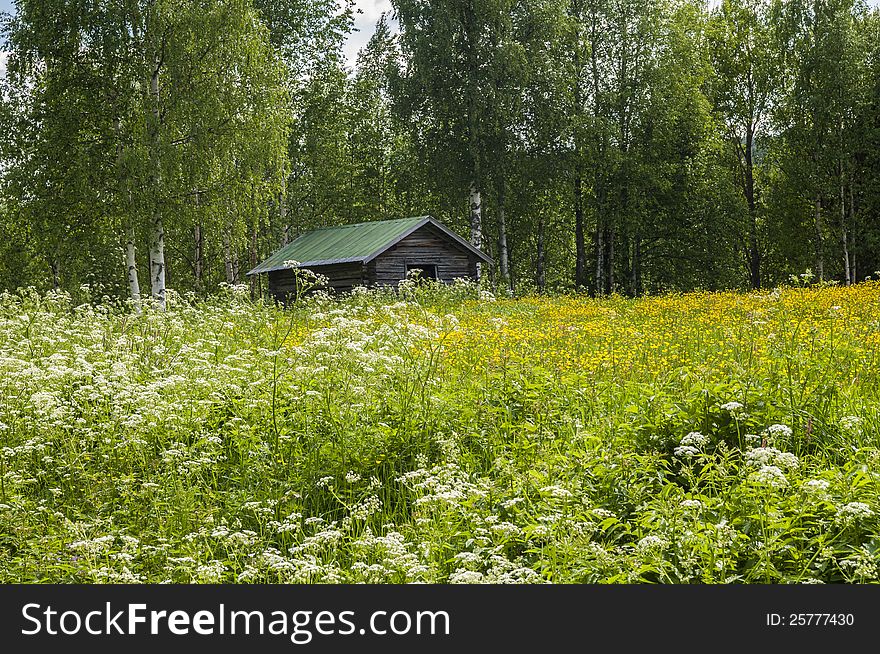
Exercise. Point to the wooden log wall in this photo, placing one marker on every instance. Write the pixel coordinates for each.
(342, 278)
(426, 246)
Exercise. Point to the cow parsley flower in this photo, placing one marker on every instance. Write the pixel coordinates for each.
(851, 424)
(685, 451)
(779, 431)
(651, 542)
(816, 486)
(853, 512)
(556, 491)
(761, 456)
(733, 407)
(695, 439)
(466, 577)
(770, 476)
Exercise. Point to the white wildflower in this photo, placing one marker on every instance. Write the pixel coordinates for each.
(733, 407)
(851, 424)
(852, 512)
(466, 577)
(770, 476)
(763, 456)
(816, 486)
(556, 491)
(695, 439)
(779, 431)
(651, 542)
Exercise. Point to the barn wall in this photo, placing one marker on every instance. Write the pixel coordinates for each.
(342, 278)
(425, 245)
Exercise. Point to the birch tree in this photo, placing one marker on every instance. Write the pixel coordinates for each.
(464, 71)
(176, 96)
(742, 93)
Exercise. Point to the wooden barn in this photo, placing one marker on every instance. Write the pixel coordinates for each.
(374, 253)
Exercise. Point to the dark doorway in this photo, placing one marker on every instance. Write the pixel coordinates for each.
(426, 270)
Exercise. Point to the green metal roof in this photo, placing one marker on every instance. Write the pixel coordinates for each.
(352, 243)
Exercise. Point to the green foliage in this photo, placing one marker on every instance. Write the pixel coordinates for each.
(630, 147)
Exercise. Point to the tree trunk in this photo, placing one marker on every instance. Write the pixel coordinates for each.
(503, 254)
(157, 236)
(632, 267)
(609, 262)
(540, 280)
(134, 286)
(754, 250)
(476, 221)
(852, 234)
(820, 243)
(600, 257)
(282, 214)
(228, 259)
(198, 257)
(844, 239)
(131, 271)
(637, 265)
(56, 273)
(580, 265)
(157, 260)
(252, 252)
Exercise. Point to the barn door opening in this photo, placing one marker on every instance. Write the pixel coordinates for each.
(425, 270)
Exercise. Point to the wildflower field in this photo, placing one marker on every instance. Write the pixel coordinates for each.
(440, 435)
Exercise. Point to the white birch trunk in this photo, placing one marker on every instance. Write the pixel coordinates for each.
(157, 236)
(131, 271)
(134, 286)
(476, 221)
(503, 254)
(157, 261)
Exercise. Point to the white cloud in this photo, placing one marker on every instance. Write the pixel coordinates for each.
(3, 57)
(364, 25)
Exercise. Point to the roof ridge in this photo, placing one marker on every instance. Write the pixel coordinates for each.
(366, 222)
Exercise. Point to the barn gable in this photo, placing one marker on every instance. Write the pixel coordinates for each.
(428, 249)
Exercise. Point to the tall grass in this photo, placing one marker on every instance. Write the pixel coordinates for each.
(441, 435)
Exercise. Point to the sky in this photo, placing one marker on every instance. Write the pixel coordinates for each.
(364, 23)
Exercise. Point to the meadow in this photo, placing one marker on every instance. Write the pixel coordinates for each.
(442, 436)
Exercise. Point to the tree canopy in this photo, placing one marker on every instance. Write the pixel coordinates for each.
(606, 146)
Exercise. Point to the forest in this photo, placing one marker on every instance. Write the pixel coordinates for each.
(605, 146)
